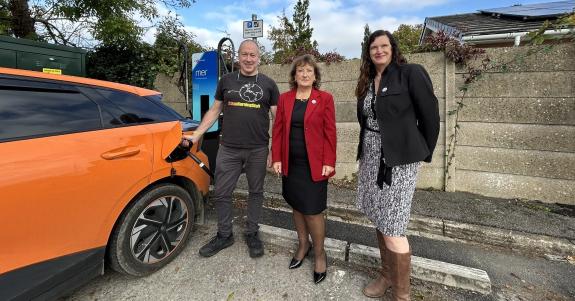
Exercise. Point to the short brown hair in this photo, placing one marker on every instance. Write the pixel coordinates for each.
(306, 59)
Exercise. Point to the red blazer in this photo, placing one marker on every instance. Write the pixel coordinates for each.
(319, 131)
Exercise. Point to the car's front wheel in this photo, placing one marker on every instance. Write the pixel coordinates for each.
(152, 231)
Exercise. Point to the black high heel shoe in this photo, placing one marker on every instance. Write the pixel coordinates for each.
(319, 277)
(294, 263)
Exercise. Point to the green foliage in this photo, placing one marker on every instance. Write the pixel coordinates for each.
(366, 34)
(282, 38)
(138, 63)
(5, 28)
(538, 36)
(328, 57)
(108, 21)
(169, 36)
(302, 28)
(407, 37)
(134, 64)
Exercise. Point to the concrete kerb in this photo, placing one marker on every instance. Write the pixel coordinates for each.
(442, 229)
(424, 269)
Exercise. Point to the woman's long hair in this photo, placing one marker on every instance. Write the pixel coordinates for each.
(367, 70)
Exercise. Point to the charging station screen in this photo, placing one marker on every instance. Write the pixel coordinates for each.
(204, 84)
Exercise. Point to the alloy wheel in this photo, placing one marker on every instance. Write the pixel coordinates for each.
(159, 229)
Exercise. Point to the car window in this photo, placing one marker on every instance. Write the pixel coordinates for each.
(137, 109)
(157, 100)
(29, 112)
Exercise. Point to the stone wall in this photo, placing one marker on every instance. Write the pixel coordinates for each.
(517, 126)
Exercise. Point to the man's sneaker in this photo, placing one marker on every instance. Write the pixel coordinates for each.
(216, 244)
(255, 245)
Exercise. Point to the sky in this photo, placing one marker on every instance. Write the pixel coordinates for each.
(337, 24)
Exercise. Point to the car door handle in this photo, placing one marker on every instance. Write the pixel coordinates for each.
(121, 153)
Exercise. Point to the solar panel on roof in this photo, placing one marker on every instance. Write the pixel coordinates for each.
(534, 10)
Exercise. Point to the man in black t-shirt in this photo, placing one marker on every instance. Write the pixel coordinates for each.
(246, 98)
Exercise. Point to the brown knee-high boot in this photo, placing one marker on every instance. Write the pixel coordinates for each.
(400, 269)
(377, 287)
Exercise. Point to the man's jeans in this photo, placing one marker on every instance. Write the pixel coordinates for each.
(229, 164)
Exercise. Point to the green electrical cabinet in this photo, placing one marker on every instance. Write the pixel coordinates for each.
(43, 57)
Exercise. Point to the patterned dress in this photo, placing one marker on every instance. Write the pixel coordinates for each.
(387, 208)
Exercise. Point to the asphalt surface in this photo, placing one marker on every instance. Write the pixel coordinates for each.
(232, 275)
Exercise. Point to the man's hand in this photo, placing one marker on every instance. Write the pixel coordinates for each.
(269, 159)
(326, 170)
(188, 140)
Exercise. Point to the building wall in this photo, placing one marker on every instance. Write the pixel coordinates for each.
(516, 135)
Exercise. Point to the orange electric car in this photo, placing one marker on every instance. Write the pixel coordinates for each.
(91, 172)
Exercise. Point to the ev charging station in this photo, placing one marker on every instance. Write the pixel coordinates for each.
(207, 68)
(205, 78)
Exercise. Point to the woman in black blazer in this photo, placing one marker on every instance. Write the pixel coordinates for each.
(399, 120)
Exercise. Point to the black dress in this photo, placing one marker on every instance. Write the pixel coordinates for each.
(298, 188)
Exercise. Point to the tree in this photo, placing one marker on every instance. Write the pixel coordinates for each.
(169, 36)
(302, 28)
(138, 63)
(366, 34)
(407, 37)
(282, 38)
(69, 22)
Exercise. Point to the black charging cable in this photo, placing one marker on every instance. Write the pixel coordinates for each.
(188, 151)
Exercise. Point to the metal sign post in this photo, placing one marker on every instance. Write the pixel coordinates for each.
(254, 29)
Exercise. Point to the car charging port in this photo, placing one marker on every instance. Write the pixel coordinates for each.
(181, 152)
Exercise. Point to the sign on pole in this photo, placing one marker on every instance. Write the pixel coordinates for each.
(253, 29)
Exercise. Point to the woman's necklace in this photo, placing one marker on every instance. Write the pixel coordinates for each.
(304, 95)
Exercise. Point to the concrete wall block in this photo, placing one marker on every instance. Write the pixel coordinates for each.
(346, 111)
(516, 186)
(518, 136)
(526, 84)
(341, 91)
(520, 110)
(348, 132)
(178, 107)
(438, 80)
(430, 177)
(516, 59)
(283, 87)
(169, 88)
(346, 152)
(343, 71)
(345, 169)
(531, 163)
(434, 62)
(279, 73)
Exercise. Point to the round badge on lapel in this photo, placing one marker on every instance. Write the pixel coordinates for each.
(313, 101)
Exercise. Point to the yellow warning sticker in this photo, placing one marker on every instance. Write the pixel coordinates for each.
(52, 71)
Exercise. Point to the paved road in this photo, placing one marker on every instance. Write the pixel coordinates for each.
(232, 275)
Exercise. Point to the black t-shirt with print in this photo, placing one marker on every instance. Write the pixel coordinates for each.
(247, 101)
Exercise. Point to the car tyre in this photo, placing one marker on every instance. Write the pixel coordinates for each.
(152, 231)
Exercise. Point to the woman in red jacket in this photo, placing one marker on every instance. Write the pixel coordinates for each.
(303, 151)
